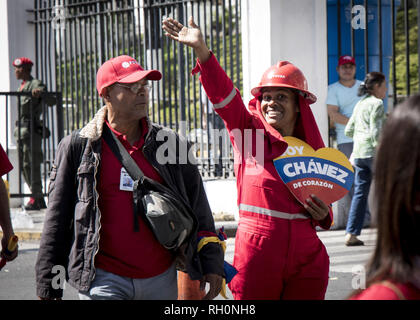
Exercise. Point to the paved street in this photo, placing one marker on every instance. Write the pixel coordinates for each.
(343, 259)
(17, 279)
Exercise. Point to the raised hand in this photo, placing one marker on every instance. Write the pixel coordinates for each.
(175, 30)
(190, 36)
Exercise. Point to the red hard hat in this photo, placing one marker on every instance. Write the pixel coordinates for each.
(285, 75)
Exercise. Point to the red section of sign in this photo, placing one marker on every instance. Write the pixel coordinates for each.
(327, 191)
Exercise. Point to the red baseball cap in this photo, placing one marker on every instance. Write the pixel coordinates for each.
(123, 69)
(345, 60)
(18, 62)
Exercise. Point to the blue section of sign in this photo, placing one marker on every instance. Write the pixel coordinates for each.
(291, 169)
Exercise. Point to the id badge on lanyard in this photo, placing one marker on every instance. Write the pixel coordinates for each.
(126, 183)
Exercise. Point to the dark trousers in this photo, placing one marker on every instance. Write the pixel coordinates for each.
(359, 202)
(31, 158)
(345, 203)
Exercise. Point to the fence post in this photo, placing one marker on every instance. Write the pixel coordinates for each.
(60, 119)
(418, 42)
(101, 33)
(181, 75)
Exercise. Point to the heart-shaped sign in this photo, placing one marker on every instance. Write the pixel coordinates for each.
(327, 172)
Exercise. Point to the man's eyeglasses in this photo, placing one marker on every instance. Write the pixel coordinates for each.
(136, 87)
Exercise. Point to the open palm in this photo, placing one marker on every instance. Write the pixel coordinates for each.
(190, 36)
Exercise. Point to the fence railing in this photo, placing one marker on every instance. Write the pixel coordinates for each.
(74, 38)
(383, 36)
(26, 138)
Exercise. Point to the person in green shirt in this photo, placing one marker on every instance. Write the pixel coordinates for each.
(30, 139)
(364, 126)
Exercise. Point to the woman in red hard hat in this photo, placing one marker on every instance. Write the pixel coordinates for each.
(278, 254)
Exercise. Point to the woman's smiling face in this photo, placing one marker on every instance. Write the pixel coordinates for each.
(280, 109)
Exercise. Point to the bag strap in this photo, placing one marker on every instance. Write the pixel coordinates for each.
(130, 165)
(122, 154)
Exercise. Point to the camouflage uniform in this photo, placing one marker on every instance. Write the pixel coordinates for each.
(30, 138)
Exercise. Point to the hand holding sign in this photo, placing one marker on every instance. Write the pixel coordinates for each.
(326, 173)
(316, 207)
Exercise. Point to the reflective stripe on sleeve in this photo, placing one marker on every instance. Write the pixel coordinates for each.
(273, 213)
(227, 100)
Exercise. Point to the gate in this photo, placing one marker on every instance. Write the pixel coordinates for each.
(50, 127)
(74, 37)
(383, 36)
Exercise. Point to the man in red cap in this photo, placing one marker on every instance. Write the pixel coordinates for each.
(278, 254)
(91, 226)
(341, 100)
(30, 141)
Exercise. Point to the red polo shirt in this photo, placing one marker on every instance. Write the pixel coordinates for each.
(121, 250)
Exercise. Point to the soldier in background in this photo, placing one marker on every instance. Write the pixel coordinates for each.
(29, 138)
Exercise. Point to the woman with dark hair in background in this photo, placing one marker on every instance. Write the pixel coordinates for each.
(364, 127)
(394, 270)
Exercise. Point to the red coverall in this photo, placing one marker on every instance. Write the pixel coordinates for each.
(278, 254)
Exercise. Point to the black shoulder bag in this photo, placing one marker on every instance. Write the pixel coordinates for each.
(169, 219)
